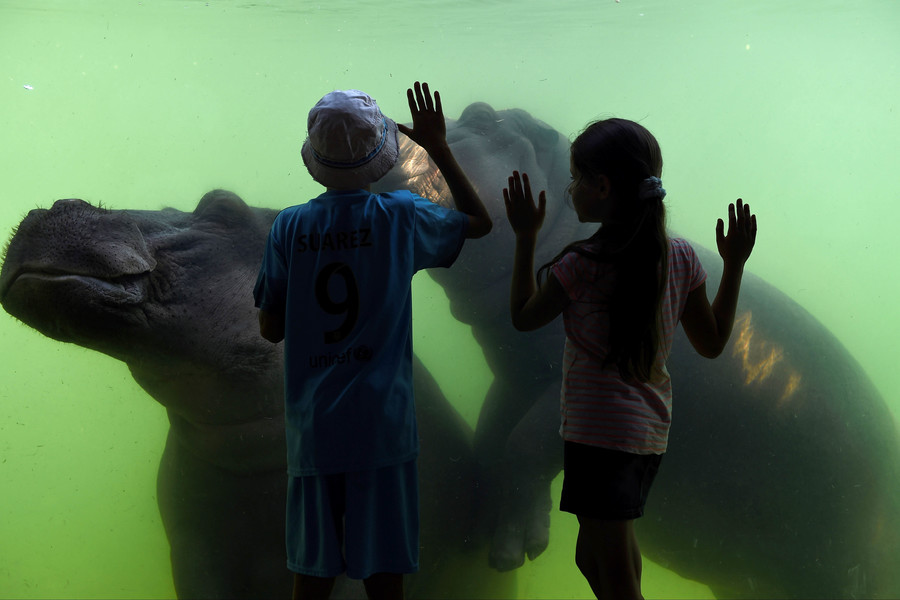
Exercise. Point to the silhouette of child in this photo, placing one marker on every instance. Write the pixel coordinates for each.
(622, 292)
(335, 286)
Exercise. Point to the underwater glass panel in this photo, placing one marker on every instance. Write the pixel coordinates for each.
(791, 106)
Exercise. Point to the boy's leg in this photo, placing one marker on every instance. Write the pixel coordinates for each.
(384, 586)
(608, 556)
(315, 509)
(307, 587)
(382, 528)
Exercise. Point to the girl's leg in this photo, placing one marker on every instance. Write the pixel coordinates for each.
(384, 586)
(608, 556)
(307, 587)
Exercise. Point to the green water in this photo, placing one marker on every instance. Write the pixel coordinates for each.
(790, 105)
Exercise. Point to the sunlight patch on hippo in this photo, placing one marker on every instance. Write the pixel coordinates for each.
(760, 359)
(422, 175)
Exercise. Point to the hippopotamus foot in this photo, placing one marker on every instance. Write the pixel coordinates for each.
(522, 528)
(518, 462)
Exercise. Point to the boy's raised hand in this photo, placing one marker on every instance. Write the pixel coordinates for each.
(524, 217)
(735, 246)
(428, 127)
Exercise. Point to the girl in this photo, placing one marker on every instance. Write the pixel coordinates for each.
(621, 292)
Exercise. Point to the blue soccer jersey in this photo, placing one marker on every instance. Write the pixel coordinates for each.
(340, 269)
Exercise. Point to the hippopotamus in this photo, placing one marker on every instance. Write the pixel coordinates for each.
(781, 478)
(169, 293)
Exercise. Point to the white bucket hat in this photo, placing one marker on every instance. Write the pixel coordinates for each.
(350, 144)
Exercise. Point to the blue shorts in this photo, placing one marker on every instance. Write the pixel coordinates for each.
(373, 515)
(606, 484)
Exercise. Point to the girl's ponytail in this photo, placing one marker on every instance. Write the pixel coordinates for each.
(635, 241)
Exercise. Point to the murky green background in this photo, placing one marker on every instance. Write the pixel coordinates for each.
(791, 105)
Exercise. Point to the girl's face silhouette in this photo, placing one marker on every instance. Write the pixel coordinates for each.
(591, 197)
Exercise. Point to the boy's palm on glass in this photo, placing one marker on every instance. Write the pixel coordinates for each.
(428, 126)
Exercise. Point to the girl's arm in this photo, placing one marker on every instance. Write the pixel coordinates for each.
(708, 327)
(531, 307)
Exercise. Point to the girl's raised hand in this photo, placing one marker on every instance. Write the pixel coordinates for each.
(735, 246)
(524, 217)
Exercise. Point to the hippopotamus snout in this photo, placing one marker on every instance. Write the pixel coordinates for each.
(73, 250)
(86, 241)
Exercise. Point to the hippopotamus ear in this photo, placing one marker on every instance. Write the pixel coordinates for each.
(223, 207)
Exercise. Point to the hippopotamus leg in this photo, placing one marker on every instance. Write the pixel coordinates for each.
(452, 558)
(527, 455)
(490, 144)
(225, 529)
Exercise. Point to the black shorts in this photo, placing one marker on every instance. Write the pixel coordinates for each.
(606, 484)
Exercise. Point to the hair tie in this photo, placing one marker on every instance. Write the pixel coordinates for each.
(651, 189)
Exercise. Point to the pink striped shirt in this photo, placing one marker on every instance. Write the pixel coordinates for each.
(598, 407)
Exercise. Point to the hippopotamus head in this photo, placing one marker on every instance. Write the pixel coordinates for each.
(123, 273)
(489, 144)
(155, 289)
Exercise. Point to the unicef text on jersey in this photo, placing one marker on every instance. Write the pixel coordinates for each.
(359, 354)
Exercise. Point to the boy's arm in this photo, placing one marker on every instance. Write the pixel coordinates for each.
(464, 194)
(271, 326)
(430, 131)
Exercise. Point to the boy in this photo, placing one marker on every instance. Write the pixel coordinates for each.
(335, 285)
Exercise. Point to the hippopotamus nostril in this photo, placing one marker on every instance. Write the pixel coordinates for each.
(73, 243)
